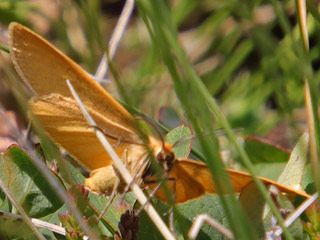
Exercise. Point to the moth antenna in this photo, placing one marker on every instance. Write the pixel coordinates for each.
(184, 139)
(156, 189)
(218, 132)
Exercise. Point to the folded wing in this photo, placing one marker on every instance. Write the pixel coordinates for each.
(64, 122)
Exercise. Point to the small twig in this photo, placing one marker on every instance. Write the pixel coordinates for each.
(205, 218)
(293, 216)
(124, 171)
(115, 39)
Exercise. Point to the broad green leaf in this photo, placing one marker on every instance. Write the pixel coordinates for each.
(4, 202)
(76, 175)
(260, 150)
(293, 172)
(182, 149)
(210, 205)
(269, 170)
(27, 184)
(307, 176)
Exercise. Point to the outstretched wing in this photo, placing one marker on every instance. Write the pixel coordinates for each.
(193, 179)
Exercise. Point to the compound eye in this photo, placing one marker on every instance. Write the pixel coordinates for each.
(169, 157)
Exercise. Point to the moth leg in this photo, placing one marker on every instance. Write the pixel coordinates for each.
(125, 155)
(107, 135)
(150, 196)
(114, 190)
(170, 212)
(154, 191)
(111, 198)
(119, 140)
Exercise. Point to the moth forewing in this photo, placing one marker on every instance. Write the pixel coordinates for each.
(45, 70)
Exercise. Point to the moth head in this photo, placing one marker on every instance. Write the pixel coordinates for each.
(163, 153)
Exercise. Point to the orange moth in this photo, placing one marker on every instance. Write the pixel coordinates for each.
(44, 69)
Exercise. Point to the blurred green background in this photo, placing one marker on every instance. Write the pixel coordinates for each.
(246, 53)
